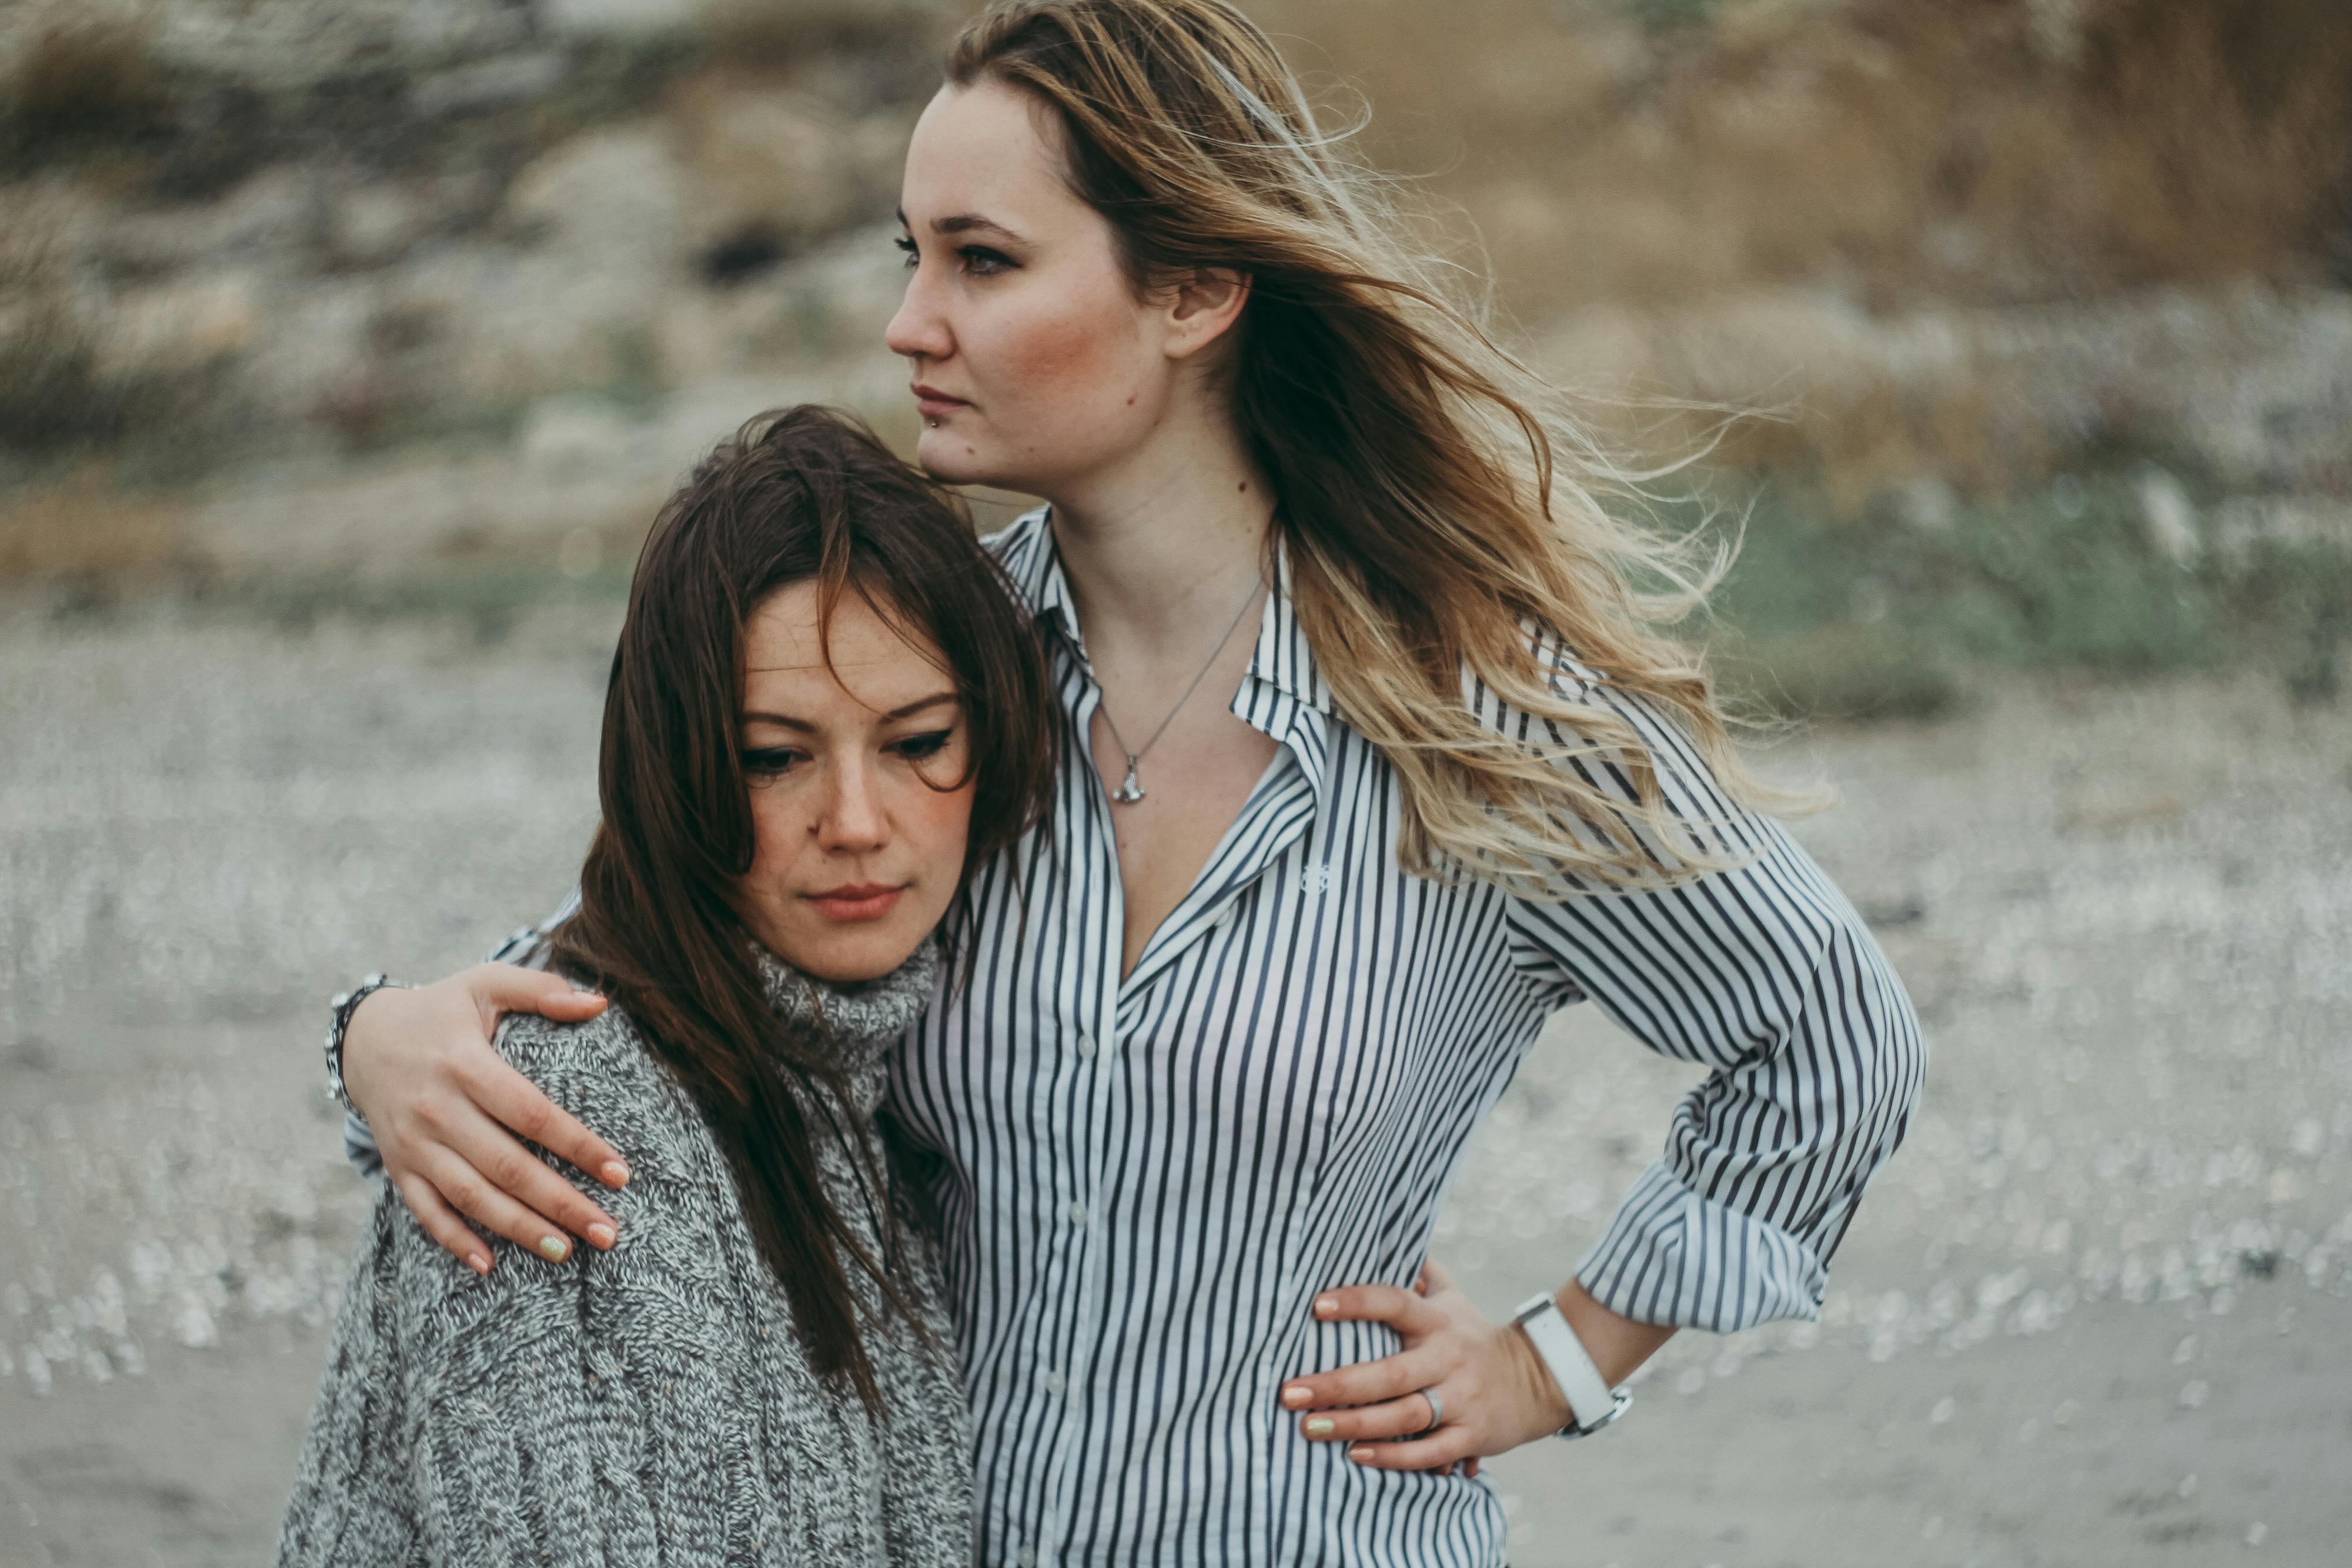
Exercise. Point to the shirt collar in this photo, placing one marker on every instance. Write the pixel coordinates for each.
(1282, 660)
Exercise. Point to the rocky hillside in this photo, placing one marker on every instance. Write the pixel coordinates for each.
(293, 284)
(340, 236)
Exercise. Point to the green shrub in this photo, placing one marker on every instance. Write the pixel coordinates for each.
(1880, 617)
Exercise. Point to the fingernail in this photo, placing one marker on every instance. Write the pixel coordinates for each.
(615, 1174)
(479, 1262)
(1325, 1306)
(604, 1236)
(554, 1249)
(1296, 1394)
(1360, 1453)
(1318, 1425)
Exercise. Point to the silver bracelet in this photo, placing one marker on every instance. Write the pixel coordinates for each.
(339, 1024)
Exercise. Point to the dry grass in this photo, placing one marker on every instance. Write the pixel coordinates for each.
(1943, 237)
(1989, 401)
(1963, 149)
(780, 34)
(84, 526)
(1968, 248)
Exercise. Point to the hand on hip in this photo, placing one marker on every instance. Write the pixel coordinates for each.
(1463, 1387)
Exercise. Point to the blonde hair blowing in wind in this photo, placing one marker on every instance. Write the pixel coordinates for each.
(1438, 505)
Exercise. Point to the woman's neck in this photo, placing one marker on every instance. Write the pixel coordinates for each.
(1169, 539)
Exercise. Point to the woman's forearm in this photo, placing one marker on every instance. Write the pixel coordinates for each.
(1618, 1345)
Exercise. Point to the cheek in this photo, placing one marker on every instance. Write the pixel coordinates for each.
(1057, 351)
(777, 834)
(1059, 359)
(937, 823)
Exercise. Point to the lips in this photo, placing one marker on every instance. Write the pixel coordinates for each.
(863, 901)
(933, 403)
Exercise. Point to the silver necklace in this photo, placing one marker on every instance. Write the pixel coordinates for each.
(1131, 789)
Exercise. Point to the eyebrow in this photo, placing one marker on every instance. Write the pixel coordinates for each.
(788, 722)
(965, 223)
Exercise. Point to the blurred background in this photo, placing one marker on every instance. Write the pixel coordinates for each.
(346, 349)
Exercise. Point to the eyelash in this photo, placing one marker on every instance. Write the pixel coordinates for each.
(977, 259)
(771, 762)
(768, 763)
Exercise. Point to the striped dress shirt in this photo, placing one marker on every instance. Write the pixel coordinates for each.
(1148, 1178)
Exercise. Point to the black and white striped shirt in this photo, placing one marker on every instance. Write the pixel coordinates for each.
(1148, 1179)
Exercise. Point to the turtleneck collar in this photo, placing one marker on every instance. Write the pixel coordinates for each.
(861, 1012)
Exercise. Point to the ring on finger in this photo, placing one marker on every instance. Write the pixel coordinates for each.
(1436, 1410)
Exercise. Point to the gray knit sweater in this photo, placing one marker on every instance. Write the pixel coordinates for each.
(649, 1405)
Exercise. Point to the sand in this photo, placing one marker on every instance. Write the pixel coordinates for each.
(2097, 1312)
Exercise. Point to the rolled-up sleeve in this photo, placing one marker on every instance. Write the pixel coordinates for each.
(1765, 975)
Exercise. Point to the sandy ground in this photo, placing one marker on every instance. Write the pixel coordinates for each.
(2098, 1312)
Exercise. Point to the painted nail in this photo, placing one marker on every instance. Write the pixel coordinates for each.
(602, 1235)
(1296, 1395)
(554, 1249)
(1318, 1425)
(479, 1262)
(1360, 1453)
(615, 1174)
(1325, 1306)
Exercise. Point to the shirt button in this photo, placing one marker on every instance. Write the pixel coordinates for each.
(1077, 1212)
(1087, 1045)
(1026, 1557)
(1054, 1384)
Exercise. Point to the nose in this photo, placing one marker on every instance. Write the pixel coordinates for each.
(853, 819)
(920, 330)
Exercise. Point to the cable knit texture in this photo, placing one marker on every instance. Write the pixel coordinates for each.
(650, 1404)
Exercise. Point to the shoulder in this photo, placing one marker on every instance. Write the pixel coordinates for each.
(1559, 676)
(1633, 767)
(608, 1041)
(601, 1071)
(1571, 709)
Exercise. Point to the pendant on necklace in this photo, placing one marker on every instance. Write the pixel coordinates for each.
(1130, 790)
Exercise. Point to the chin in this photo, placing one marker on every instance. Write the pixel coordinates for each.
(953, 459)
(848, 957)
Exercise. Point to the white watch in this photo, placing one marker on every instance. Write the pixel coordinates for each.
(1591, 1404)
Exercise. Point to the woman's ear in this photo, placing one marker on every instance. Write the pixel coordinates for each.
(1202, 307)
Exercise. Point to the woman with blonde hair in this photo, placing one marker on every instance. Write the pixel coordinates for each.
(1375, 756)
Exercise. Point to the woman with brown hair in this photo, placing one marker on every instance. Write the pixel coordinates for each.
(825, 712)
(1309, 890)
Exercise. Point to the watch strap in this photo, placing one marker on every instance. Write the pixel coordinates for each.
(1591, 1404)
(339, 1023)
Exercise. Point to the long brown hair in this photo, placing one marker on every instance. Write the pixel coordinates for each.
(795, 496)
(1440, 507)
